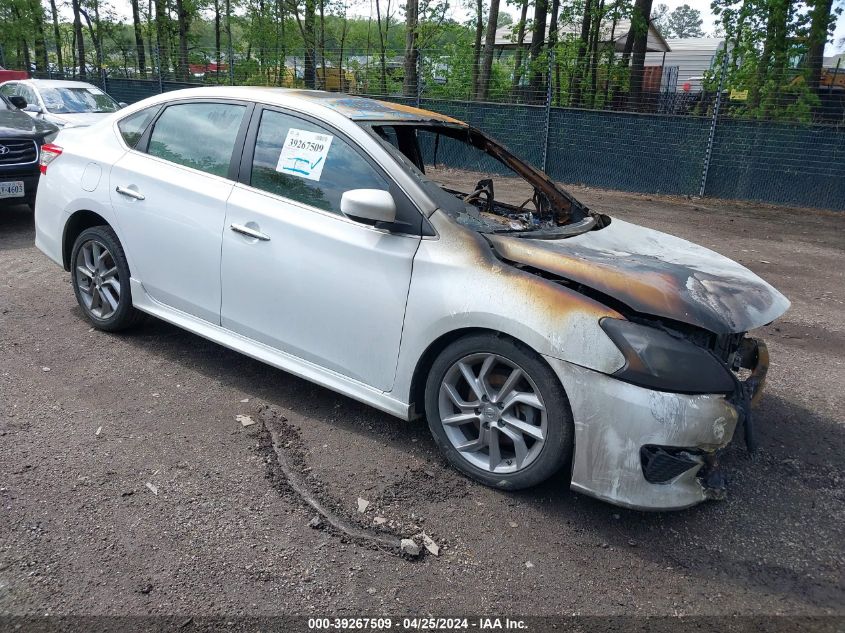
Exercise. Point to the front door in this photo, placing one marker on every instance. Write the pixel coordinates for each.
(170, 202)
(303, 277)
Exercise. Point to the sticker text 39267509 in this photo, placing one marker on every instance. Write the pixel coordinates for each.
(304, 154)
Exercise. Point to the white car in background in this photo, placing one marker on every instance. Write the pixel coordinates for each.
(63, 103)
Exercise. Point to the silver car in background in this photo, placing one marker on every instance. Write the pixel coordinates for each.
(407, 260)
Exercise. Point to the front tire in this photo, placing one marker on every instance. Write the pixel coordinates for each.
(498, 412)
(100, 277)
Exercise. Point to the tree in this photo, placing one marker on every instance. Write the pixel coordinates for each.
(476, 48)
(660, 19)
(821, 22)
(538, 39)
(139, 39)
(487, 56)
(78, 38)
(684, 21)
(517, 58)
(411, 79)
(57, 36)
(183, 20)
(637, 42)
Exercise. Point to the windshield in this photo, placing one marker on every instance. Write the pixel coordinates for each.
(77, 100)
(479, 183)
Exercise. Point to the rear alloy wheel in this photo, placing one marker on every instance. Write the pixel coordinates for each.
(498, 412)
(100, 278)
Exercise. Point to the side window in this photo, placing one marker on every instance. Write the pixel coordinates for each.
(197, 135)
(132, 127)
(302, 161)
(29, 94)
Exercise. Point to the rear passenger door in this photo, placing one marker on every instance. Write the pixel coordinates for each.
(169, 192)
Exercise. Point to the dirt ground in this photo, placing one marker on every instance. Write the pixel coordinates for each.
(88, 420)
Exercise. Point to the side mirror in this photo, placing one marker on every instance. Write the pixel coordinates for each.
(32, 107)
(18, 101)
(122, 104)
(371, 206)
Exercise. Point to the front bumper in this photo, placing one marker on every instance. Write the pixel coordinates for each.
(615, 420)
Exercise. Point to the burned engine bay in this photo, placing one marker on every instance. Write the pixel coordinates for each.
(429, 149)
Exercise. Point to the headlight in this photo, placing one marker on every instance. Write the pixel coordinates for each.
(658, 360)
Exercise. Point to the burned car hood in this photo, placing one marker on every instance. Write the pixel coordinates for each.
(654, 274)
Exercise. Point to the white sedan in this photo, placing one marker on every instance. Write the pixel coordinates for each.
(407, 260)
(62, 103)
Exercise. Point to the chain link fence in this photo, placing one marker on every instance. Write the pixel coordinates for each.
(690, 121)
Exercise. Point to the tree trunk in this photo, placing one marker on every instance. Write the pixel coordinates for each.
(538, 39)
(594, 52)
(139, 40)
(40, 39)
(309, 40)
(183, 21)
(487, 56)
(517, 56)
(217, 57)
(583, 44)
(95, 40)
(476, 48)
(638, 37)
(162, 39)
(819, 29)
(77, 34)
(230, 53)
(553, 30)
(323, 42)
(409, 84)
(23, 44)
(382, 60)
(57, 36)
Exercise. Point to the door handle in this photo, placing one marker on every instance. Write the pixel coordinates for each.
(245, 230)
(126, 191)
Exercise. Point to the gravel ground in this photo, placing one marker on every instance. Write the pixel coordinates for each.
(128, 487)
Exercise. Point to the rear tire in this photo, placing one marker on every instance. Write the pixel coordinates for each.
(498, 412)
(100, 276)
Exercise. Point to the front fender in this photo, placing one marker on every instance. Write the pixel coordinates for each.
(458, 283)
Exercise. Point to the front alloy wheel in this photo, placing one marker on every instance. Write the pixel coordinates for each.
(498, 412)
(492, 413)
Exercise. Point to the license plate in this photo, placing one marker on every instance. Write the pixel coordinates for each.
(12, 189)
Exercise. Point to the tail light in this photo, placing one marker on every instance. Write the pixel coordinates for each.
(49, 153)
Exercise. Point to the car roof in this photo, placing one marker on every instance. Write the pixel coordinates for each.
(364, 109)
(57, 83)
(348, 106)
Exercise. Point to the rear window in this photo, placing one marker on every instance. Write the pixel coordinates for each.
(198, 135)
(132, 128)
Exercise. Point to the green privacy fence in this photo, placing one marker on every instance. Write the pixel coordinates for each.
(796, 164)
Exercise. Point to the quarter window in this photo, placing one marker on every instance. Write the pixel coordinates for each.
(305, 162)
(198, 135)
(132, 127)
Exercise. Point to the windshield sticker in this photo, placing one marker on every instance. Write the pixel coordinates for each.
(94, 91)
(304, 154)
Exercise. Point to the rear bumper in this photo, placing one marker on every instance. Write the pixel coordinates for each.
(619, 427)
